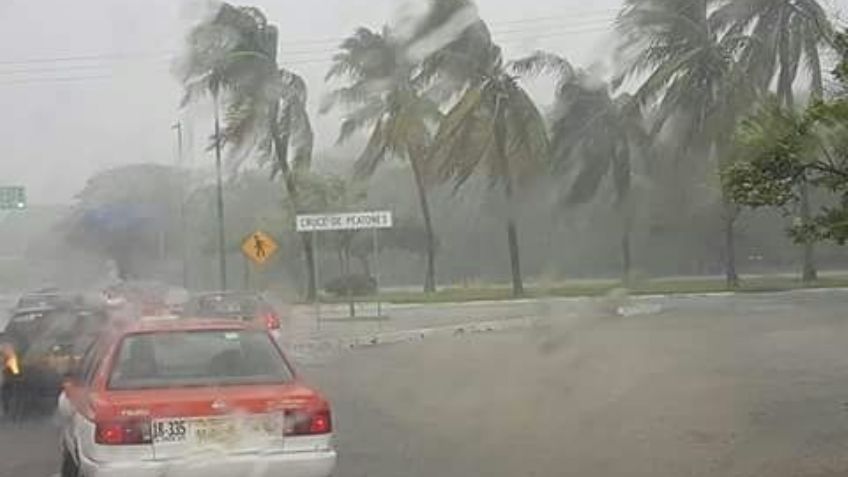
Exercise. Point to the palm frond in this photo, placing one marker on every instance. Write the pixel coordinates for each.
(374, 153)
(542, 62)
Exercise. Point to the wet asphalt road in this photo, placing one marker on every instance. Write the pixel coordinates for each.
(720, 386)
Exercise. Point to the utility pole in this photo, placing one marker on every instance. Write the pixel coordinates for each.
(178, 127)
(222, 255)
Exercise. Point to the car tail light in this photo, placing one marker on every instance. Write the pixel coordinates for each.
(306, 423)
(123, 432)
(10, 361)
(272, 321)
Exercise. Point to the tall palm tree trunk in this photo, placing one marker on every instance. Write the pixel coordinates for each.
(219, 191)
(626, 213)
(281, 147)
(512, 238)
(430, 277)
(731, 212)
(511, 228)
(512, 235)
(626, 258)
(809, 273)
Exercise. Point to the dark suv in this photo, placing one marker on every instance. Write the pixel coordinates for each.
(242, 306)
(41, 346)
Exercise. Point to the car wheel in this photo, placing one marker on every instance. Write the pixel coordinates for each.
(69, 467)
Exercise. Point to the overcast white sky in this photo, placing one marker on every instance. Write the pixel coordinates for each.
(64, 116)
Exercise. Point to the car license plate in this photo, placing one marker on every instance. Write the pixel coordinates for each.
(212, 431)
(169, 430)
(225, 431)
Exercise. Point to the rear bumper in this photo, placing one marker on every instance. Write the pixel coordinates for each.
(290, 464)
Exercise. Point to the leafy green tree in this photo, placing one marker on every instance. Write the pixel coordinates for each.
(593, 136)
(689, 77)
(128, 215)
(233, 56)
(787, 34)
(381, 95)
(495, 127)
(784, 150)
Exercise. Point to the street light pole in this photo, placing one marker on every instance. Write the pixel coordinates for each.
(222, 257)
(183, 224)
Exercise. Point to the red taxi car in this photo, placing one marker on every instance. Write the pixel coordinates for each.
(192, 398)
(243, 306)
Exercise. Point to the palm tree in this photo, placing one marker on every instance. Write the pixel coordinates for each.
(691, 80)
(382, 96)
(233, 56)
(494, 126)
(593, 136)
(786, 33)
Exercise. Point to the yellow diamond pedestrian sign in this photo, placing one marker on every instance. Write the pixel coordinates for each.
(259, 247)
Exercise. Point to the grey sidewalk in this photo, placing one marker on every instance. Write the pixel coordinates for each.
(301, 324)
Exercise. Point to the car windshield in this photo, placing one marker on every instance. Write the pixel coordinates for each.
(197, 358)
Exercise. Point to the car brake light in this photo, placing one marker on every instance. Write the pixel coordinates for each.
(305, 423)
(123, 432)
(321, 423)
(10, 361)
(272, 321)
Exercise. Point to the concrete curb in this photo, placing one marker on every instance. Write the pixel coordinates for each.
(408, 336)
(309, 345)
(577, 299)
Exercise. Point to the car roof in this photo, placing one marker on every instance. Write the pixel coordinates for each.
(153, 324)
(28, 310)
(41, 293)
(229, 293)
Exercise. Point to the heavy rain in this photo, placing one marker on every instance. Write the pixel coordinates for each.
(423, 237)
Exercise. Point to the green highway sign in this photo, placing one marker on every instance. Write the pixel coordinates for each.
(12, 198)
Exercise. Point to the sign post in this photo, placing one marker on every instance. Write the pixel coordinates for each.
(376, 254)
(315, 268)
(313, 223)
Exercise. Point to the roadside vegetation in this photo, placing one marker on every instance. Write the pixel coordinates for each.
(716, 107)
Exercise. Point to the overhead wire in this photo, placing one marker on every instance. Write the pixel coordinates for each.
(38, 68)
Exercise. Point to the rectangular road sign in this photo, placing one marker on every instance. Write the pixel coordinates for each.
(353, 221)
(12, 197)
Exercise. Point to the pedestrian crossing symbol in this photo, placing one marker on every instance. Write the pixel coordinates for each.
(259, 247)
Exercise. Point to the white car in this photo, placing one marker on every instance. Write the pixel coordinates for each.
(192, 398)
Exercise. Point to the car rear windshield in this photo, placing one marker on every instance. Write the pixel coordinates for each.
(44, 300)
(70, 331)
(197, 358)
(228, 305)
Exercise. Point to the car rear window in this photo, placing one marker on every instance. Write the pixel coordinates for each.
(197, 358)
(45, 300)
(228, 305)
(73, 331)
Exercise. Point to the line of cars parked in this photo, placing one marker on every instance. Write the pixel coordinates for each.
(143, 387)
